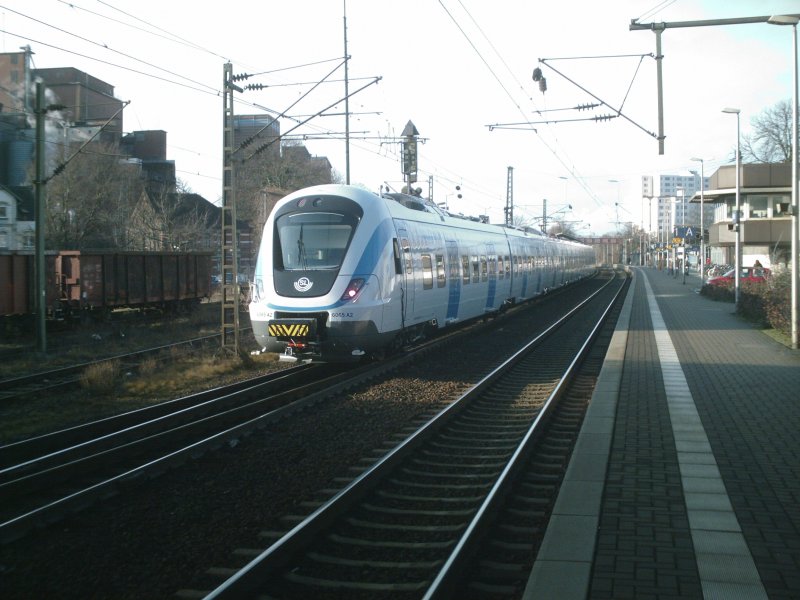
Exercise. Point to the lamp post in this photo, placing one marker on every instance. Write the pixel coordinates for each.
(736, 260)
(702, 222)
(788, 20)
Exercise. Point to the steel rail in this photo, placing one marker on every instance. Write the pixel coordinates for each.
(247, 581)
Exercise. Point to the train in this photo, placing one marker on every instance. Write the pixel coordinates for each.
(94, 283)
(344, 273)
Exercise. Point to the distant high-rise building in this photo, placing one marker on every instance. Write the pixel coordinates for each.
(669, 203)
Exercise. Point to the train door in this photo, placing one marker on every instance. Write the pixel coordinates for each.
(454, 283)
(407, 277)
(492, 276)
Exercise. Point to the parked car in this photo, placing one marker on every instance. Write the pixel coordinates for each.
(746, 274)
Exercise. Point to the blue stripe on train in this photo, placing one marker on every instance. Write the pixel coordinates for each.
(491, 294)
(454, 297)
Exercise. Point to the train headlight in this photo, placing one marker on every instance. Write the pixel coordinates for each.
(353, 290)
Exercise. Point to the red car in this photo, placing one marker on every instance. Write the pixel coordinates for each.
(746, 274)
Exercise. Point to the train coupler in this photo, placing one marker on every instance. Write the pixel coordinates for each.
(288, 355)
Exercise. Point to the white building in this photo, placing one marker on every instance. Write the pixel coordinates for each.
(16, 219)
(669, 205)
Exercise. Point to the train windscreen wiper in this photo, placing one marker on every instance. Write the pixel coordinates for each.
(301, 250)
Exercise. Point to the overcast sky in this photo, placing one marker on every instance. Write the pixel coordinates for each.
(453, 68)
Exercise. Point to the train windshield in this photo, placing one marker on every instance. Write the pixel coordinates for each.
(313, 240)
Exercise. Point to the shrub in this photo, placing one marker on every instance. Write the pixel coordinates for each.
(148, 366)
(778, 302)
(100, 378)
(751, 302)
(721, 293)
(768, 304)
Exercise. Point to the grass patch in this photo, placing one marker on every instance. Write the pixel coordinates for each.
(186, 374)
(778, 336)
(158, 382)
(100, 378)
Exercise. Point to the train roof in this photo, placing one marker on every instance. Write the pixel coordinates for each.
(414, 207)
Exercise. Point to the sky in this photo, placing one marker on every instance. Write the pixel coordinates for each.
(459, 70)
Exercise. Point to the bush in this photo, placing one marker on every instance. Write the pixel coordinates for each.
(751, 302)
(778, 302)
(100, 378)
(720, 293)
(768, 304)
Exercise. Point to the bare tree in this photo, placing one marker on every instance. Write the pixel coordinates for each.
(771, 138)
(173, 222)
(288, 168)
(90, 200)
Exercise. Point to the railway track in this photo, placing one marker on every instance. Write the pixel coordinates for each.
(411, 525)
(56, 379)
(45, 477)
(162, 514)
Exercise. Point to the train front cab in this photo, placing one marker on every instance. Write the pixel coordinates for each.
(310, 312)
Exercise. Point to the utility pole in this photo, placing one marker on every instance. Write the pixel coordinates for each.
(510, 196)
(658, 29)
(346, 101)
(544, 216)
(229, 263)
(39, 220)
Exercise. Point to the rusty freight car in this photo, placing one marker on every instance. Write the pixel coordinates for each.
(81, 282)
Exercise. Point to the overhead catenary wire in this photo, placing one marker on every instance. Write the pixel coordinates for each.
(106, 47)
(570, 169)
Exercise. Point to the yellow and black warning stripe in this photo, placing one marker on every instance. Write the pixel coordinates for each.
(292, 328)
(288, 330)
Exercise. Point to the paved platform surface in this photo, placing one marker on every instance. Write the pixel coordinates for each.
(685, 480)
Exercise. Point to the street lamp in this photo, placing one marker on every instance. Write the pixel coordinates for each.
(788, 20)
(702, 222)
(736, 260)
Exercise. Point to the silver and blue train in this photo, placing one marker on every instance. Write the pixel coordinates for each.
(343, 273)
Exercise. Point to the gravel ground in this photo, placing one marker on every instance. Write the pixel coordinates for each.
(163, 536)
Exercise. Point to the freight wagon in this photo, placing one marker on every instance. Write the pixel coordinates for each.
(81, 282)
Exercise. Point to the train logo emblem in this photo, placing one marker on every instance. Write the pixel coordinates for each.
(303, 284)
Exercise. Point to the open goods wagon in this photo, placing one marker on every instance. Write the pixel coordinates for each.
(81, 281)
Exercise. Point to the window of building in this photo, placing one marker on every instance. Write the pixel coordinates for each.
(3, 211)
(776, 202)
(757, 207)
(3, 239)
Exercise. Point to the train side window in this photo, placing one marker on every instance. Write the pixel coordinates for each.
(476, 270)
(508, 264)
(398, 263)
(484, 269)
(441, 279)
(500, 267)
(427, 272)
(464, 269)
(407, 253)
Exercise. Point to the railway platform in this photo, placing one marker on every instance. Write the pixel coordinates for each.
(685, 480)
